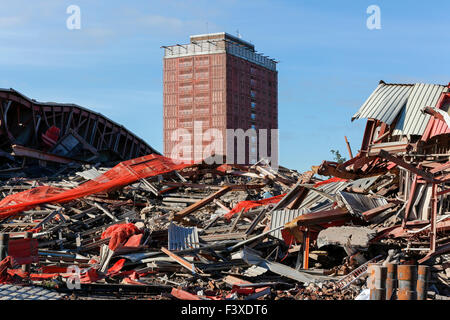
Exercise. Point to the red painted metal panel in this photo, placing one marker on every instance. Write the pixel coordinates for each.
(23, 251)
(435, 126)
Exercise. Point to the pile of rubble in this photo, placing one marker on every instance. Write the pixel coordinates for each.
(208, 232)
(150, 228)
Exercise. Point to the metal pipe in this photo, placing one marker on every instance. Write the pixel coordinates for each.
(306, 250)
(407, 282)
(371, 273)
(404, 294)
(434, 209)
(391, 280)
(348, 148)
(26, 267)
(375, 284)
(377, 276)
(380, 277)
(377, 294)
(4, 240)
(423, 275)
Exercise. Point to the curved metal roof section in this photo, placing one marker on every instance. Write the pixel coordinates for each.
(385, 102)
(34, 102)
(412, 120)
(405, 101)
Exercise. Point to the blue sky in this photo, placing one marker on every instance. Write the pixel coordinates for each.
(329, 61)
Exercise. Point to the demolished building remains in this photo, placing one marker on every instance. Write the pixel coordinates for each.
(373, 227)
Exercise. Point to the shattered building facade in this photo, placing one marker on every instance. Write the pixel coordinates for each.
(376, 228)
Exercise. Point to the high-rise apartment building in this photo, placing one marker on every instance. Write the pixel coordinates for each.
(219, 81)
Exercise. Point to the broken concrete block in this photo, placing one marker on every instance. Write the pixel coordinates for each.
(345, 236)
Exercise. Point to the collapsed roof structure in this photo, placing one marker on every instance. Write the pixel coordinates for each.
(152, 228)
(407, 130)
(62, 132)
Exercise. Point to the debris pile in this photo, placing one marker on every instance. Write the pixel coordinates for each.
(151, 228)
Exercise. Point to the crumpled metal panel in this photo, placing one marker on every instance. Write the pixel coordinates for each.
(412, 120)
(252, 257)
(385, 102)
(359, 203)
(254, 271)
(12, 292)
(314, 201)
(363, 183)
(181, 238)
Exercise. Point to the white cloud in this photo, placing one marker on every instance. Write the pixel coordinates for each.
(7, 22)
(161, 22)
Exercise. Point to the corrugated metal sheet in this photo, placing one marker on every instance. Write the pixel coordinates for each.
(181, 238)
(281, 217)
(440, 126)
(315, 201)
(412, 120)
(385, 102)
(406, 101)
(359, 203)
(363, 183)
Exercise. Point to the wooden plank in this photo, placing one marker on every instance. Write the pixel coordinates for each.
(180, 260)
(441, 167)
(199, 204)
(212, 187)
(236, 220)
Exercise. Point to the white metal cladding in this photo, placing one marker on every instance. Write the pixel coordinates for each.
(314, 200)
(359, 203)
(181, 238)
(412, 121)
(281, 217)
(385, 102)
(363, 183)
